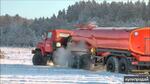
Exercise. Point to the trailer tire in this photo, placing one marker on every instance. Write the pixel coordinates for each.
(86, 62)
(37, 58)
(124, 66)
(112, 64)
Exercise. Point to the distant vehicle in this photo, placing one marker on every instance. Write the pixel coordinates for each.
(121, 50)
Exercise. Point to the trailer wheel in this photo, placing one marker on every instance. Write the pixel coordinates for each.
(37, 58)
(85, 62)
(112, 64)
(124, 66)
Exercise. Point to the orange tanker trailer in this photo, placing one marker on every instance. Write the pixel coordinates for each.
(121, 50)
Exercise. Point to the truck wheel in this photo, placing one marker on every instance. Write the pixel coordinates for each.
(85, 62)
(124, 66)
(112, 64)
(37, 58)
(47, 60)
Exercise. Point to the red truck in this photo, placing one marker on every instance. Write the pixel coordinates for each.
(52, 40)
(121, 50)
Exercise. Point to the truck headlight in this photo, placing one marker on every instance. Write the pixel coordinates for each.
(136, 33)
(93, 51)
(58, 44)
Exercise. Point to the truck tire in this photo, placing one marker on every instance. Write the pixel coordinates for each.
(112, 64)
(37, 59)
(85, 62)
(124, 66)
(48, 59)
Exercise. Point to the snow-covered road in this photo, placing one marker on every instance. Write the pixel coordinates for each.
(17, 68)
(44, 74)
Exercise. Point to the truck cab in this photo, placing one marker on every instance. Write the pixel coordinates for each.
(52, 40)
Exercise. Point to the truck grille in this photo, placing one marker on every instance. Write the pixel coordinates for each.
(147, 46)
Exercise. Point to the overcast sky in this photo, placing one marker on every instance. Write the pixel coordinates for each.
(39, 8)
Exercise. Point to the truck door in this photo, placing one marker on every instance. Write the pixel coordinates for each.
(48, 42)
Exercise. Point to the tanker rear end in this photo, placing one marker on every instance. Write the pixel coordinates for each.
(129, 53)
(139, 45)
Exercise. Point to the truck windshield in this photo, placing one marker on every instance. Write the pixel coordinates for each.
(49, 35)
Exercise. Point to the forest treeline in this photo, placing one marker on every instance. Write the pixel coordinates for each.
(19, 31)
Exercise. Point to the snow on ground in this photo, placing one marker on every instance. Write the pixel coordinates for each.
(44, 74)
(17, 68)
(16, 55)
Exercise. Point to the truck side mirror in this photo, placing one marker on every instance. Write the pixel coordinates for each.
(44, 36)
